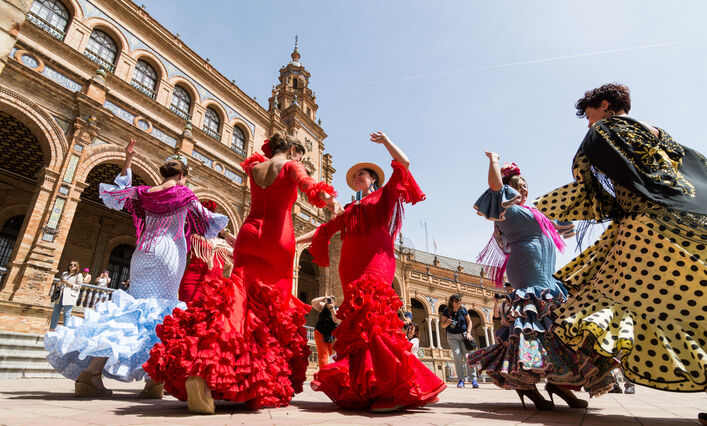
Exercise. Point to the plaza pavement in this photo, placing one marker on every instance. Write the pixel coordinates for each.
(51, 402)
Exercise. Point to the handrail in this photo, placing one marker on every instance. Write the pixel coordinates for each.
(89, 294)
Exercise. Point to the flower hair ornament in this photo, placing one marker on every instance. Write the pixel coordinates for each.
(267, 150)
(510, 169)
(209, 205)
(177, 157)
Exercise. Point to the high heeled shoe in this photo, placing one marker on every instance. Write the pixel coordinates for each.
(84, 387)
(535, 396)
(566, 395)
(199, 400)
(152, 390)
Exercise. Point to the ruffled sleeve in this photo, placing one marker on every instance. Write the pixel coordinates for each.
(309, 186)
(403, 186)
(251, 161)
(319, 249)
(115, 196)
(493, 204)
(203, 222)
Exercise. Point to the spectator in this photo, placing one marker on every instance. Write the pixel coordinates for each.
(87, 276)
(125, 285)
(103, 280)
(456, 319)
(413, 335)
(326, 324)
(71, 282)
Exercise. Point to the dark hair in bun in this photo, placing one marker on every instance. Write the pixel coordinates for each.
(172, 168)
(280, 143)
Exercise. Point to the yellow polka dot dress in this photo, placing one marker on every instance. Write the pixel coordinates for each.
(639, 291)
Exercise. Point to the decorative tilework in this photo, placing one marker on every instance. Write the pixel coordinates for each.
(29, 60)
(119, 112)
(64, 190)
(71, 168)
(98, 141)
(58, 208)
(218, 168)
(201, 157)
(159, 134)
(432, 301)
(12, 52)
(143, 125)
(61, 79)
(234, 176)
(63, 124)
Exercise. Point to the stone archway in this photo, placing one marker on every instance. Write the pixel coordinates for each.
(308, 284)
(419, 316)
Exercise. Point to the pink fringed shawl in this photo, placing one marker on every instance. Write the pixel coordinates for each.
(495, 255)
(165, 206)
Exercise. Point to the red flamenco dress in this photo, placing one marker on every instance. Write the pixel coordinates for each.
(208, 259)
(245, 336)
(374, 367)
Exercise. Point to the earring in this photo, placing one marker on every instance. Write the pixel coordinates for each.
(372, 188)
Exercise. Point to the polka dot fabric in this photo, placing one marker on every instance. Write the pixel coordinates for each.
(639, 291)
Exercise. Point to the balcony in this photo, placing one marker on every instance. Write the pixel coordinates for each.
(212, 133)
(180, 113)
(46, 26)
(100, 61)
(239, 151)
(145, 90)
(90, 294)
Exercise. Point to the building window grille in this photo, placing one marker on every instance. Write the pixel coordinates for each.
(212, 123)
(8, 236)
(51, 16)
(181, 102)
(145, 79)
(238, 141)
(102, 50)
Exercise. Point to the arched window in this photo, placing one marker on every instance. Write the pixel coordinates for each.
(145, 78)
(181, 102)
(119, 264)
(238, 141)
(212, 123)
(51, 16)
(102, 50)
(8, 236)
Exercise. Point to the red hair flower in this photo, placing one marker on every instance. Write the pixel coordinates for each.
(266, 148)
(510, 169)
(210, 205)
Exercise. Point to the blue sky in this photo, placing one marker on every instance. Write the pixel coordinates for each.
(448, 79)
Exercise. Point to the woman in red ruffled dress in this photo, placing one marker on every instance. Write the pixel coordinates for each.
(208, 259)
(244, 339)
(374, 367)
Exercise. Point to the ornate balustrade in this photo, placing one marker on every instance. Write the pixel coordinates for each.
(89, 295)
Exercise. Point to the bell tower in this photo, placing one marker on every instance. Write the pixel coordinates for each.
(293, 97)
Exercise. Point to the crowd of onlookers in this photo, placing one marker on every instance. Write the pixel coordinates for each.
(66, 293)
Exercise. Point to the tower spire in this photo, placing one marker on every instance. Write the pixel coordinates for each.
(295, 53)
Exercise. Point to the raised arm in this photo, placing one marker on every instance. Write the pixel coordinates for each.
(319, 303)
(129, 152)
(395, 152)
(495, 180)
(321, 194)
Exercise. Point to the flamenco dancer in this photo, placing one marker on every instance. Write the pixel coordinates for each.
(375, 368)
(523, 247)
(638, 292)
(114, 339)
(208, 259)
(244, 339)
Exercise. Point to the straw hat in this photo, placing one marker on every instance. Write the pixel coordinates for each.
(358, 166)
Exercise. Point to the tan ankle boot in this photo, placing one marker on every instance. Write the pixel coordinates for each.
(199, 400)
(85, 386)
(152, 390)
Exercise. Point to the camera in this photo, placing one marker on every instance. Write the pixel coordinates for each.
(453, 324)
(499, 296)
(328, 299)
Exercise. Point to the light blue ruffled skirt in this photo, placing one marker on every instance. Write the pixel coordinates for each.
(122, 330)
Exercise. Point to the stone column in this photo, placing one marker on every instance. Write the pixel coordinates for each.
(428, 320)
(439, 336)
(486, 333)
(493, 335)
(12, 16)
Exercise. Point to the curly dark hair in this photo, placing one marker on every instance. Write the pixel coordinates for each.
(618, 96)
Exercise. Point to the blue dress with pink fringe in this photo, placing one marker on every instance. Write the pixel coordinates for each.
(527, 351)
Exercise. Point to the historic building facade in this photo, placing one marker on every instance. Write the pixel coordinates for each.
(84, 77)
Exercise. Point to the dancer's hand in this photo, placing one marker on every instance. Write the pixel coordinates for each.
(379, 137)
(130, 148)
(334, 206)
(493, 157)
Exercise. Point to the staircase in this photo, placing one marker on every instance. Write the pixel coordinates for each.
(22, 355)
